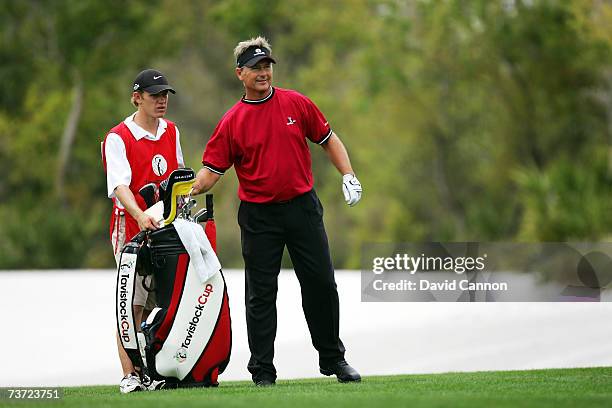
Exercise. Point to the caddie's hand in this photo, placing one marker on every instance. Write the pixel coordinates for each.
(146, 222)
(351, 187)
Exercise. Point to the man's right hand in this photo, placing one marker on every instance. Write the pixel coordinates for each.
(125, 196)
(146, 222)
(205, 180)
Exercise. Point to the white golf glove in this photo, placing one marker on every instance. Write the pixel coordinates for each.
(351, 187)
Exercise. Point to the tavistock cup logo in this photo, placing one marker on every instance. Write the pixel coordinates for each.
(160, 165)
(181, 355)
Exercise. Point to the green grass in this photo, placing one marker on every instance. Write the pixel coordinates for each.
(585, 387)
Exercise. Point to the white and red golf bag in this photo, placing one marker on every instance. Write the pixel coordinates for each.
(186, 340)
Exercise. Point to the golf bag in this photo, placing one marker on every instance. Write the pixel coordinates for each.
(186, 339)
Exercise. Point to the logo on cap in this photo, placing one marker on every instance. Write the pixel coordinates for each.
(252, 54)
(151, 81)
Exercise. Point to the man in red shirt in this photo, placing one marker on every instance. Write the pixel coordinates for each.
(142, 149)
(264, 136)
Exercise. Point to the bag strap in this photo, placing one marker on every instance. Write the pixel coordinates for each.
(126, 322)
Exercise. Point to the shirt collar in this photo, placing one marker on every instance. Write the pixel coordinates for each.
(139, 132)
(256, 101)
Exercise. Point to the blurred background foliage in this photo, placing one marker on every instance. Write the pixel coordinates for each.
(465, 120)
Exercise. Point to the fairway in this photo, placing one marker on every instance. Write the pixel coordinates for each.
(540, 388)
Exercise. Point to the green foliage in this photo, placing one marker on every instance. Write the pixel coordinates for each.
(51, 48)
(464, 120)
(567, 202)
(53, 241)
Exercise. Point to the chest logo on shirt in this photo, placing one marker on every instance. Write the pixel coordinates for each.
(290, 121)
(160, 165)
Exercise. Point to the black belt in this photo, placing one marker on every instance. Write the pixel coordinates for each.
(283, 202)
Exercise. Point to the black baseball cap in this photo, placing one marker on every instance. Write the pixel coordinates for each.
(152, 81)
(253, 55)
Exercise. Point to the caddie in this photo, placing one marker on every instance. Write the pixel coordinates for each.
(144, 148)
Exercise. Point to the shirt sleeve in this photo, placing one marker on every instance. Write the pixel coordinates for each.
(179, 152)
(217, 156)
(317, 128)
(118, 170)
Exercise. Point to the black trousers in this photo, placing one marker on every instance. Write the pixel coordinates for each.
(265, 230)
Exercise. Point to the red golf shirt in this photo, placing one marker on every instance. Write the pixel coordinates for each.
(265, 140)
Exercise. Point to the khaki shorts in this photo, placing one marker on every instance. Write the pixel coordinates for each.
(142, 297)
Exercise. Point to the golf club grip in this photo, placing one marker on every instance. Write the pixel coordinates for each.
(209, 207)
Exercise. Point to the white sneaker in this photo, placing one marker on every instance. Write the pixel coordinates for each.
(130, 383)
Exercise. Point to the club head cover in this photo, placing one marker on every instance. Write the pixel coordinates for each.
(150, 194)
(178, 184)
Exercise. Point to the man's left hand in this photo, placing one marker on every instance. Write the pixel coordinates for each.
(351, 187)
